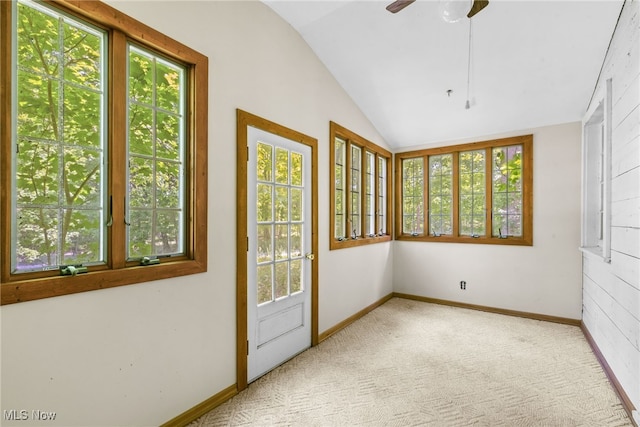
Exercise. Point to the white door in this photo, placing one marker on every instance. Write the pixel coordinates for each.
(279, 256)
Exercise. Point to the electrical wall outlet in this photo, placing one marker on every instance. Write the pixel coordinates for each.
(463, 285)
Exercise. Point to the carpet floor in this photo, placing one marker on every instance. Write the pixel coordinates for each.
(409, 363)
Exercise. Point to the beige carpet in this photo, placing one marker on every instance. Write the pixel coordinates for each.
(412, 363)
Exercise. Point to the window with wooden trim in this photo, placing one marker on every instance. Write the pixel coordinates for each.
(472, 193)
(360, 188)
(104, 146)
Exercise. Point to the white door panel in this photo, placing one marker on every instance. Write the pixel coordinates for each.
(279, 228)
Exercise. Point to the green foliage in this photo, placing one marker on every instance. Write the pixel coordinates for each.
(61, 139)
(507, 191)
(59, 157)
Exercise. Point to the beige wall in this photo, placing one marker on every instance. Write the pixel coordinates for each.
(543, 278)
(142, 354)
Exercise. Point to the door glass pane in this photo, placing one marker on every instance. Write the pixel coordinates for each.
(282, 279)
(156, 151)
(60, 122)
(282, 166)
(265, 243)
(295, 239)
(264, 162)
(265, 283)
(279, 216)
(296, 276)
(282, 241)
(296, 169)
(282, 204)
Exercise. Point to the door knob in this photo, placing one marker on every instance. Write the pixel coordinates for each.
(310, 256)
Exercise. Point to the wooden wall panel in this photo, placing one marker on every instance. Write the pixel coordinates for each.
(611, 291)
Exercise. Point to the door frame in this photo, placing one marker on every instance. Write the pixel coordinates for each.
(243, 120)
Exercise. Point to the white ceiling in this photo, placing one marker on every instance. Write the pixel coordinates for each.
(534, 63)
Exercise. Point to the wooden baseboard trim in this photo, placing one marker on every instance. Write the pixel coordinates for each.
(626, 402)
(534, 316)
(202, 408)
(349, 320)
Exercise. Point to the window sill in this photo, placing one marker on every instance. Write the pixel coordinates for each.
(362, 241)
(595, 252)
(21, 290)
(510, 241)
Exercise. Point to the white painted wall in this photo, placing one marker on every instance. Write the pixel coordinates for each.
(543, 278)
(139, 355)
(611, 295)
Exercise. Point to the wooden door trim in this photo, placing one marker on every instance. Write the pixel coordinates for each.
(245, 119)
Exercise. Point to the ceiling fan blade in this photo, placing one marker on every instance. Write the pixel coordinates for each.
(398, 5)
(478, 5)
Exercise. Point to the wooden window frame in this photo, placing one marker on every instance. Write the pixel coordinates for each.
(121, 30)
(527, 193)
(351, 138)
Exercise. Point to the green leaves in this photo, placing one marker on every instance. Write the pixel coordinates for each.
(60, 125)
(156, 152)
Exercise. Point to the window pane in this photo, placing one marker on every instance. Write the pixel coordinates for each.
(295, 279)
(370, 196)
(441, 194)
(60, 125)
(156, 153)
(282, 242)
(282, 279)
(296, 240)
(296, 204)
(340, 206)
(282, 166)
(507, 191)
(413, 196)
(265, 243)
(472, 193)
(382, 196)
(282, 204)
(356, 189)
(296, 169)
(265, 203)
(265, 162)
(265, 283)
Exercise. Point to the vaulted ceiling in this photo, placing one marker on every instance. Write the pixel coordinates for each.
(533, 63)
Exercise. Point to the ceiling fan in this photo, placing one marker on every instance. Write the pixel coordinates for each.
(398, 5)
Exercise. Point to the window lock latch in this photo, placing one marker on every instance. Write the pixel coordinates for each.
(149, 261)
(72, 270)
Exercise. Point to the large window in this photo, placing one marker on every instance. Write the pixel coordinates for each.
(104, 147)
(476, 193)
(360, 188)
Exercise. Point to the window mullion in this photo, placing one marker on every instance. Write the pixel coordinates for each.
(117, 152)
